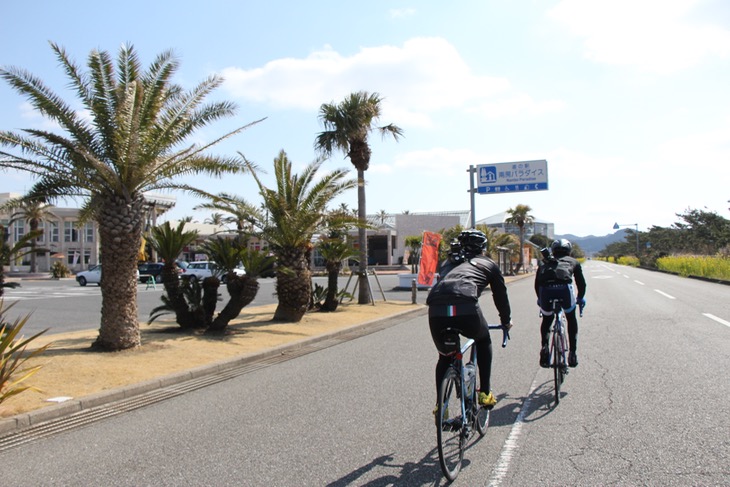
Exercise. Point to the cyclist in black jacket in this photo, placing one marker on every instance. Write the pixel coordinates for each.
(453, 302)
(554, 279)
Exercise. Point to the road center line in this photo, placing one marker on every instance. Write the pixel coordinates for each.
(638, 282)
(510, 444)
(719, 320)
(665, 294)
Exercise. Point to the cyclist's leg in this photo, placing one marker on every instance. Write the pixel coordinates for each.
(569, 305)
(437, 324)
(476, 327)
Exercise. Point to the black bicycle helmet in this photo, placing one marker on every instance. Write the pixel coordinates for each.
(473, 242)
(561, 248)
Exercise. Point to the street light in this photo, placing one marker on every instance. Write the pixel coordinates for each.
(616, 226)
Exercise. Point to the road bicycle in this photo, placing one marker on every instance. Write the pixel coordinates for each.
(559, 346)
(459, 415)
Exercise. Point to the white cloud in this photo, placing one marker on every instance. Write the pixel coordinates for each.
(399, 13)
(651, 35)
(422, 77)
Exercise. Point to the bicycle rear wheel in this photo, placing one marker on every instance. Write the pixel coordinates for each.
(557, 365)
(450, 425)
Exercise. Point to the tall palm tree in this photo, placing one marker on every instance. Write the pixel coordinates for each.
(131, 138)
(18, 249)
(215, 219)
(347, 126)
(297, 209)
(237, 211)
(34, 212)
(520, 216)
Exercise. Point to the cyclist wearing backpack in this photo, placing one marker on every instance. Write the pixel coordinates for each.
(554, 280)
(453, 302)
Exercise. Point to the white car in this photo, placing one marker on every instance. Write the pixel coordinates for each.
(92, 276)
(199, 270)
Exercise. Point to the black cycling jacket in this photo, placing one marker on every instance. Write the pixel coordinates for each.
(464, 282)
(576, 271)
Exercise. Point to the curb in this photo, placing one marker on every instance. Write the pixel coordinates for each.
(13, 424)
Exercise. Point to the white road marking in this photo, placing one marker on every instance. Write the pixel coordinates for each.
(665, 294)
(719, 320)
(509, 448)
(638, 282)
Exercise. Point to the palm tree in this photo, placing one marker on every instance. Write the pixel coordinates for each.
(297, 209)
(19, 249)
(520, 216)
(239, 212)
(382, 215)
(347, 126)
(215, 219)
(335, 249)
(131, 138)
(169, 243)
(33, 212)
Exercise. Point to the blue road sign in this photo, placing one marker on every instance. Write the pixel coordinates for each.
(512, 177)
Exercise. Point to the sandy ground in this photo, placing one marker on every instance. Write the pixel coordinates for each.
(71, 370)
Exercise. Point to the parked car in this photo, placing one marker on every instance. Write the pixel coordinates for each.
(201, 269)
(92, 276)
(151, 269)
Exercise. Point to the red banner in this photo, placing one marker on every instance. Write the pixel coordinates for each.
(429, 258)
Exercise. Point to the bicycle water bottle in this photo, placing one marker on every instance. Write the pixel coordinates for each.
(470, 378)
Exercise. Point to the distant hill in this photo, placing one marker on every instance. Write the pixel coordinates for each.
(592, 244)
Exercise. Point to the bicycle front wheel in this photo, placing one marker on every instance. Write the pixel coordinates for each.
(450, 424)
(482, 420)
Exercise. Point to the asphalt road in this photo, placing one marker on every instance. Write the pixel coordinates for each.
(62, 305)
(646, 406)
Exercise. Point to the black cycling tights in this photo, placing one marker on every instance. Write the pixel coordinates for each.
(572, 329)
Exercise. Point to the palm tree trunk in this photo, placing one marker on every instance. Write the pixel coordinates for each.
(364, 285)
(120, 233)
(242, 290)
(293, 287)
(333, 271)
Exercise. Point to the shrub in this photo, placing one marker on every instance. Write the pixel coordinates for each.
(59, 270)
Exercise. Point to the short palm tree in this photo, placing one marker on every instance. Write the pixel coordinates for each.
(347, 126)
(32, 211)
(229, 253)
(520, 216)
(334, 251)
(297, 208)
(169, 243)
(131, 138)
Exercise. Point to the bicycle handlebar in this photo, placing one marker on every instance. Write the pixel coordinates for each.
(505, 333)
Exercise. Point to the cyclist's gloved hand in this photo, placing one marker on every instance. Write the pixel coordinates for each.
(508, 326)
(582, 302)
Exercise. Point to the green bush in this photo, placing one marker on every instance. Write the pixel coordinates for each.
(59, 270)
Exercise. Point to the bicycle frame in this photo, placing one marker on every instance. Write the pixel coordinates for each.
(558, 349)
(472, 415)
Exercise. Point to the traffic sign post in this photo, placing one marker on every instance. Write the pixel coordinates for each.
(507, 177)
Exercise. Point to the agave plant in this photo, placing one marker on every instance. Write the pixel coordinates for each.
(14, 354)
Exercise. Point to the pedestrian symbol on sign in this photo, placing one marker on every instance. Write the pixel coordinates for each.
(487, 174)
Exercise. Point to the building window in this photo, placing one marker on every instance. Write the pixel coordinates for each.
(19, 230)
(53, 232)
(89, 232)
(70, 233)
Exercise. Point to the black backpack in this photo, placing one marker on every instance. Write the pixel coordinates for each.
(555, 271)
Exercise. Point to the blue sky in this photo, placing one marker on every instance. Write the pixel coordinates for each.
(627, 100)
